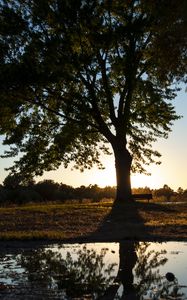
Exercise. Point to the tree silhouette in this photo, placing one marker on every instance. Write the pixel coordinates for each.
(77, 76)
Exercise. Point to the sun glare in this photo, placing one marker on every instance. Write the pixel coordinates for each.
(106, 177)
(141, 180)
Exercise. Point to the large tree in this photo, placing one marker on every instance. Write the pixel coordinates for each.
(77, 76)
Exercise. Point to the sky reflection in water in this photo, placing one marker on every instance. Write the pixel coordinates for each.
(126, 270)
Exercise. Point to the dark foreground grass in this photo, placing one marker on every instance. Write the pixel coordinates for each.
(94, 222)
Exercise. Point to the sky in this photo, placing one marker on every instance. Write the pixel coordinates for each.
(172, 171)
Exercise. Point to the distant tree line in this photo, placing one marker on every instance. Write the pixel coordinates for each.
(16, 190)
(165, 193)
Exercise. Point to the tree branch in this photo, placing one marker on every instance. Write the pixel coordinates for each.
(96, 112)
(107, 88)
(57, 113)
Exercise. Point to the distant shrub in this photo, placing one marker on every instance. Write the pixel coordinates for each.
(183, 196)
(5, 196)
(94, 192)
(65, 192)
(46, 189)
(159, 199)
(165, 192)
(27, 195)
(141, 190)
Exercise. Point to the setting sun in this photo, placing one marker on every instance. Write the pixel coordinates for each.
(107, 177)
(141, 180)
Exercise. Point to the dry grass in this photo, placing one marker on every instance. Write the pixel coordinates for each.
(165, 220)
(52, 221)
(94, 221)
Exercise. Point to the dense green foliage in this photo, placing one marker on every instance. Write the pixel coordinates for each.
(76, 76)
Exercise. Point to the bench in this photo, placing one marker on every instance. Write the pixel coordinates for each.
(142, 196)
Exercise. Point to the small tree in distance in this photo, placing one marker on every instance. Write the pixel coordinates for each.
(166, 192)
(77, 76)
(14, 181)
(47, 189)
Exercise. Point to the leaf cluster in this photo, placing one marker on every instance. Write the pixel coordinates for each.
(75, 75)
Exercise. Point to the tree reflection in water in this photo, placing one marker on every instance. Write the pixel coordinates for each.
(46, 274)
(85, 275)
(140, 277)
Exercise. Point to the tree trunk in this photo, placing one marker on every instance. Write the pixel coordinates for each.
(123, 162)
(128, 259)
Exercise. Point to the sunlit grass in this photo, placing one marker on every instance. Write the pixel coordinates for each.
(31, 235)
(50, 206)
(51, 221)
(74, 220)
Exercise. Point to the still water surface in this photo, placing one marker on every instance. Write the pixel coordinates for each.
(126, 270)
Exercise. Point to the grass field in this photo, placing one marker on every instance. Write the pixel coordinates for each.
(94, 221)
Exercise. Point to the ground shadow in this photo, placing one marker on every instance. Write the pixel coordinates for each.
(123, 222)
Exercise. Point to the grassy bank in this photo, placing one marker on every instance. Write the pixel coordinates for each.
(94, 221)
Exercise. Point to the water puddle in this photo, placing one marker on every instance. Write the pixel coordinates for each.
(125, 270)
